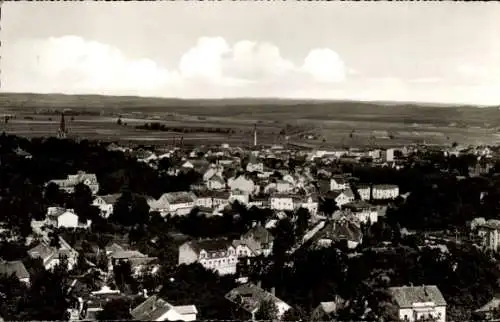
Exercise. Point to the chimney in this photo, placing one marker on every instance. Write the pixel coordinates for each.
(254, 223)
(259, 283)
(145, 293)
(273, 291)
(255, 135)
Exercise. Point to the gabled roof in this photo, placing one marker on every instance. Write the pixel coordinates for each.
(42, 251)
(341, 230)
(490, 306)
(177, 197)
(260, 234)
(154, 307)
(249, 297)
(112, 198)
(385, 186)
(406, 296)
(210, 245)
(186, 309)
(14, 267)
(127, 254)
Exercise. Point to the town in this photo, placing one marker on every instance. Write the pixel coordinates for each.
(105, 231)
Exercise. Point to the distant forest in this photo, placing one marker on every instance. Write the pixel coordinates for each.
(162, 127)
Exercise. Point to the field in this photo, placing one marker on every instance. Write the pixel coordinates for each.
(330, 123)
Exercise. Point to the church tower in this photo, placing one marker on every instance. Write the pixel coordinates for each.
(62, 131)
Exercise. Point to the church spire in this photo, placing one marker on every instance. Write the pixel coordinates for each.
(62, 131)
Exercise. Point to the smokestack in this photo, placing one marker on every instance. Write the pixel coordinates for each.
(255, 135)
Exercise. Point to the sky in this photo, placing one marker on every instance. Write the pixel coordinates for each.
(446, 52)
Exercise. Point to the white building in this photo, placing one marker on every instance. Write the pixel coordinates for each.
(219, 255)
(364, 192)
(175, 203)
(363, 211)
(419, 302)
(310, 203)
(282, 202)
(341, 197)
(64, 218)
(388, 155)
(243, 184)
(338, 183)
(240, 196)
(385, 191)
(106, 204)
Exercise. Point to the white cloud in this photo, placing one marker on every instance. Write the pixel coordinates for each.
(325, 65)
(71, 64)
(215, 68)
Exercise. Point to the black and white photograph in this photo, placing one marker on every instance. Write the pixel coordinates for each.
(250, 161)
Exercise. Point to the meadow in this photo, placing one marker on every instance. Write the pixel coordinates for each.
(332, 123)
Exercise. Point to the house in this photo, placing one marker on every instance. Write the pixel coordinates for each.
(250, 296)
(338, 183)
(283, 186)
(157, 309)
(341, 197)
(385, 191)
(363, 211)
(204, 199)
(216, 182)
(258, 239)
(419, 302)
(340, 229)
(489, 311)
(388, 155)
(138, 261)
(95, 302)
(253, 165)
(61, 217)
(16, 268)
(68, 185)
(282, 201)
(220, 198)
(213, 170)
(51, 256)
(325, 310)
(174, 203)
(364, 191)
(240, 196)
(216, 254)
(106, 204)
(310, 203)
(243, 183)
(489, 233)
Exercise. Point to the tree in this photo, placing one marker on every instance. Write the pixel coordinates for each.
(302, 222)
(267, 311)
(116, 309)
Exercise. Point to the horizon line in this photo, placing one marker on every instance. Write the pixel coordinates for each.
(310, 99)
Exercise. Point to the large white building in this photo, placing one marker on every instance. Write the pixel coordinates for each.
(385, 191)
(416, 303)
(220, 255)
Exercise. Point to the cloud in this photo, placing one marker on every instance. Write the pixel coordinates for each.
(71, 64)
(214, 68)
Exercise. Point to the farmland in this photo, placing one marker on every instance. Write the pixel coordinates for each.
(330, 123)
